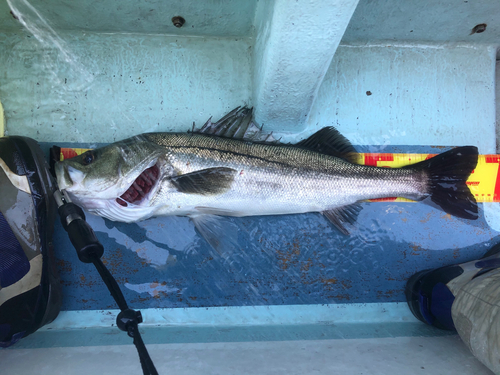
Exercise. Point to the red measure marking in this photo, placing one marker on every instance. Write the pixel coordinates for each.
(494, 159)
(68, 153)
(372, 159)
(391, 199)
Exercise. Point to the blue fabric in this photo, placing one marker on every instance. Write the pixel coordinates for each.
(4, 332)
(489, 263)
(442, 300)
(14, 263)
(424, 308)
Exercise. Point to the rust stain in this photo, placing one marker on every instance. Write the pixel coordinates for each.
(388, 293)
(139, 299)
(447, 217)
(347, 284)
(439, 147)
(329, 281)
(415, 250)
(340, 297)
(64, 265)
(205, 260)
(306, 266)
(426, 218)
(289, 257)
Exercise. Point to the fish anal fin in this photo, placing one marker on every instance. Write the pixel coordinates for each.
(342, 216)
(210, 181)
(220, 232)
(329, 141)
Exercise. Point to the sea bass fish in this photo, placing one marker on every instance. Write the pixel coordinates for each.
(217, 171)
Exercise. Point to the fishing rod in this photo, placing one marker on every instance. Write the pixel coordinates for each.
(90, 250)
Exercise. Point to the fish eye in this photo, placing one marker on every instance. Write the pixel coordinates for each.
(88, 158)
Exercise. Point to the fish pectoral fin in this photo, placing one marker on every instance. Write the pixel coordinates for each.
(220, 232)
(340, 216)
(211, 181)
(329, 141)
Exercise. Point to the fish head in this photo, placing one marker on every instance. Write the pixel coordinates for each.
(115, 181)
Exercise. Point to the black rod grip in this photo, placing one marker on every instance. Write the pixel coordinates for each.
(80, 233)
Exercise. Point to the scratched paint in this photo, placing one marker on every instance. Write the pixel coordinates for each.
(154, 289)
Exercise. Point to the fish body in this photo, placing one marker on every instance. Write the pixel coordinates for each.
(272, 179)
(200, 174)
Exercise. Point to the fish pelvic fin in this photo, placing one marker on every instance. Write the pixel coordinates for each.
(448, 173)
(329, 141)
(343, 217)
(220, 232)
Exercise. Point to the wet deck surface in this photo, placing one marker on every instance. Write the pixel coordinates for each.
(300, 259)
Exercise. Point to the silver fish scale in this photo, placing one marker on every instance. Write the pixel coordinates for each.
(274, 179)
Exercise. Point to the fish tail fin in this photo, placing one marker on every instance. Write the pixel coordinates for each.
(448, 173)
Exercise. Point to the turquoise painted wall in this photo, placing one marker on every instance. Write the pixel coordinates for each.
(115, 86)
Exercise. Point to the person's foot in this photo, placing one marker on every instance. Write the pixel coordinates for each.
(430, 293)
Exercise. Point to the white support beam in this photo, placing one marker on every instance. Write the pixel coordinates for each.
(295, 43)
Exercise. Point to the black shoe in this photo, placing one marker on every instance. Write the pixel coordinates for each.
(431, 293)
(30, 290)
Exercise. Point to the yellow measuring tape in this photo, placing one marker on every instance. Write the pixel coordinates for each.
(483, 181)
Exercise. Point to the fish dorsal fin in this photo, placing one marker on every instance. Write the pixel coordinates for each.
(341, 216)
(232, 125)
(237, 124)
(329, 141)
(211, 181)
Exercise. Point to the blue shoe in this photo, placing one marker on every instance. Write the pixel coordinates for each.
(431, 293)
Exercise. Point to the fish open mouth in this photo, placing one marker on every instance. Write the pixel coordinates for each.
(141, 186)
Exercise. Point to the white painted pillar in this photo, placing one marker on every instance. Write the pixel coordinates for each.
(295, 43)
